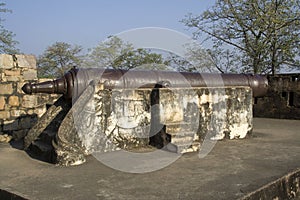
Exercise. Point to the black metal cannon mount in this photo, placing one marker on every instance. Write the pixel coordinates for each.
(75, 83)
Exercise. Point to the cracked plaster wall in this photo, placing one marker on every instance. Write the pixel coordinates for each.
(189, 115)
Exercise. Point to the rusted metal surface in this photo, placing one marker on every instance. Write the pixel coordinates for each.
(76, 80)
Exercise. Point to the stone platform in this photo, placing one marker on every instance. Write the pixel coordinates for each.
(233, 169)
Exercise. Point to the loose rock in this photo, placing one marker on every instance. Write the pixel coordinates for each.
(5, 138)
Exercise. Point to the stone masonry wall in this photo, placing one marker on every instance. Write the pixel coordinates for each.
(282, 100)
(18, 111)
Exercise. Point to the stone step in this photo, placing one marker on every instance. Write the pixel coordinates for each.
(182, 140)
(188, 148)
(182, 134)
(174, 128)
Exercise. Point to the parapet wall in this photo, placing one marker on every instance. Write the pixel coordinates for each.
(18, 111)
(282, 100)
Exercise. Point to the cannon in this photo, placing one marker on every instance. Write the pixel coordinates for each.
(114, 108)
(73, 82)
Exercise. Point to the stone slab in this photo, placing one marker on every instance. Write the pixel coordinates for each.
(6, 61)
(6, 88)
(26, 61)
(2, 103)
(231, 170)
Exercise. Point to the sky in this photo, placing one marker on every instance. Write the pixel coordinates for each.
(40, 23)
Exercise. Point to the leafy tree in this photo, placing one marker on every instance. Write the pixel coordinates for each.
(178, 63)
(116, 53)
(7, 43)
(105, 53)
(57, 59)
(140, 58)
(263, 35)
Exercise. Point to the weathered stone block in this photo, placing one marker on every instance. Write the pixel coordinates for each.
(40, 111)
(29, 101)
(6, 61)
(17, 113)
(26, 61)
(43, 99)
(4, 115)
(13, 101)
(30, 112)
(171, 105)
(2, 77)
(12, 72)
(2, 103)
(5, 138)
(6, 88)
(30, 74)
(20, 84)
(12, 78)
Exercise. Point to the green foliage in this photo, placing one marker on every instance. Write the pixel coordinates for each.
(105, 53)
(57, 59)
(137, 59)
(118, 54)
(7, 43)
(263, 35)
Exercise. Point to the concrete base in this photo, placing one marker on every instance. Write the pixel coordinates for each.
(233, 169)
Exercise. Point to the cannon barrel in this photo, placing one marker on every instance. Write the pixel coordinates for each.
(75, 81)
